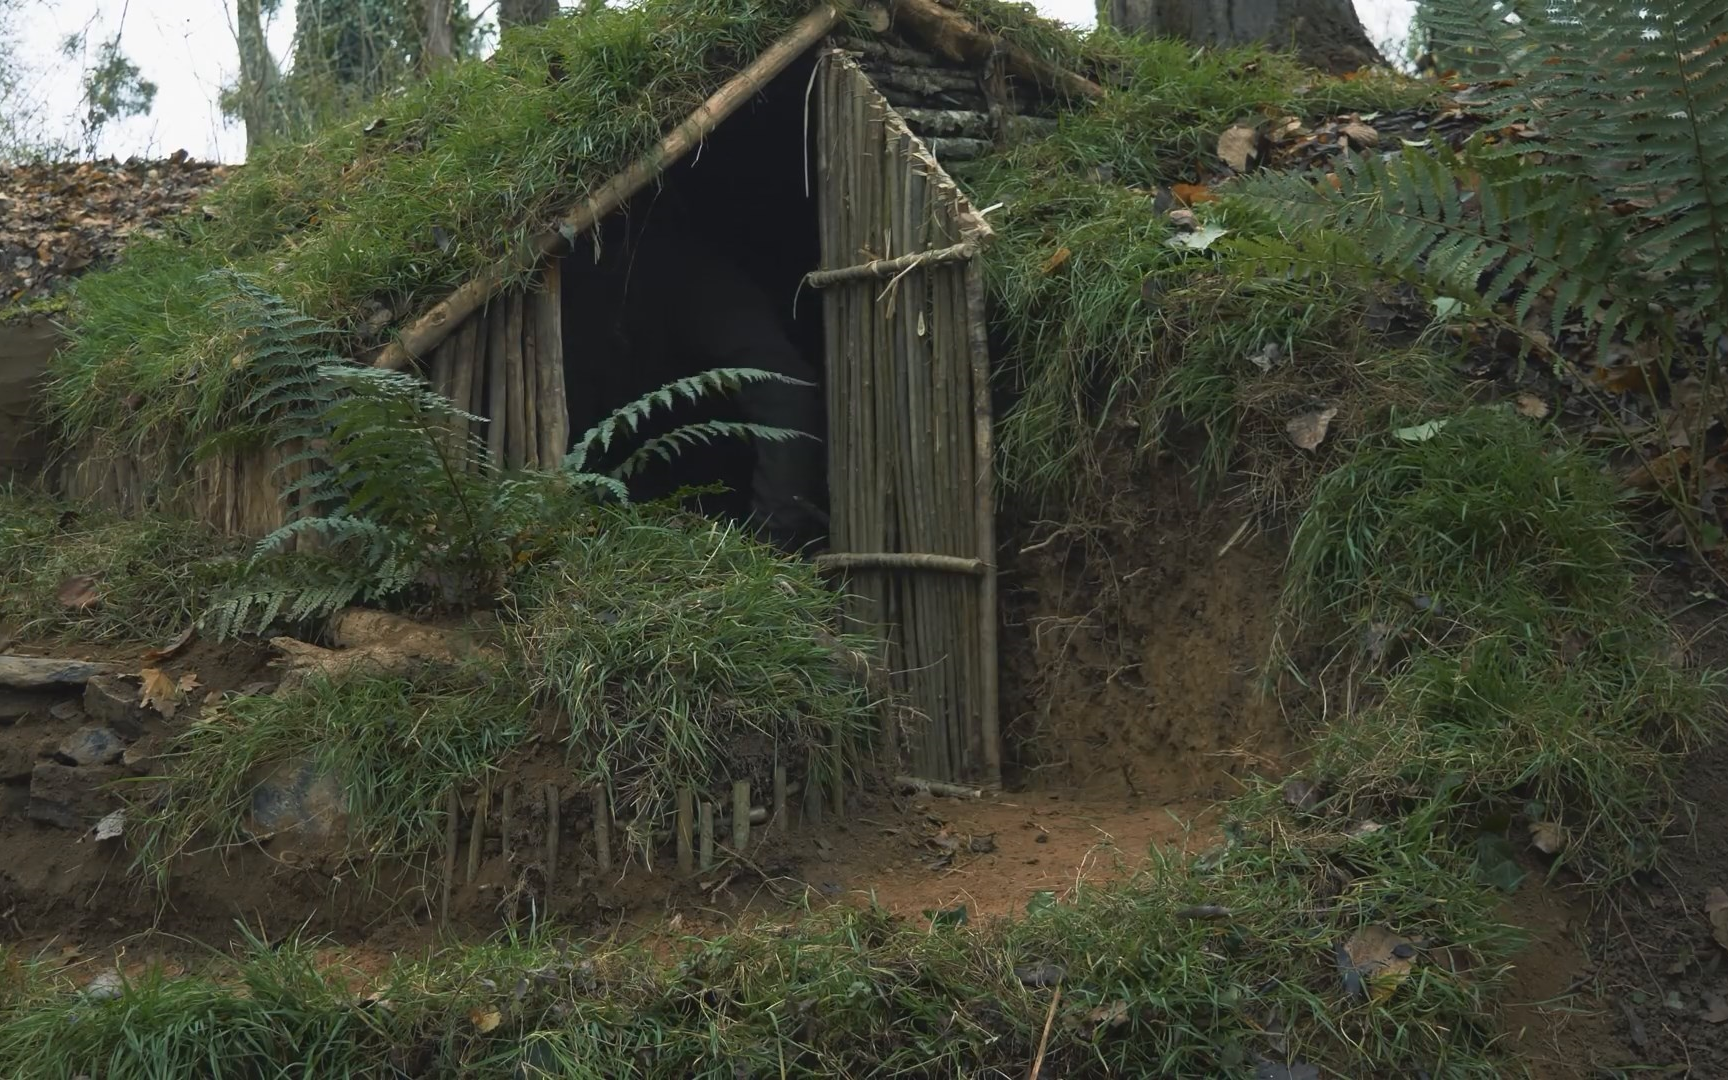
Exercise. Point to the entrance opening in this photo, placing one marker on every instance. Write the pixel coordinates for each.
(704, 271)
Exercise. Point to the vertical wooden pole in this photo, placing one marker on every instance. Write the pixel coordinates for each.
(515, 390)
(551, 837)
(778, 818)
(984, 464)
(531, 379)
(602, 829)
(812, 790)
(554, 409)
(477, 834)
(452, 811)
(497, 379)
(740, 815)
(705, 828)
(686, 811)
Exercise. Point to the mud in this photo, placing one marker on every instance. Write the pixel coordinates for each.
(1134, 643)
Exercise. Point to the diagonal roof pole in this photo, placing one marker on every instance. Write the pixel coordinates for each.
(424, 334)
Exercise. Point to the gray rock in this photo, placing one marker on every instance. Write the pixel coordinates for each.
(107, 986)
(70, 796)
(91, 745)
(300, 796)
(112, 700)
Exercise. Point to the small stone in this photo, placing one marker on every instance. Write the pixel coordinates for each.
(69, 796)
(298, 795)
(66, 710)
(113, 700)
(90, 745)
(1183, 219)
(15, 763)
(108, 986)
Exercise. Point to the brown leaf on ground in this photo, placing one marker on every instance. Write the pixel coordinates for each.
(1360, 135)
(1547, 837)
(1659, 470)
(485, 1020)
(79, 592)
(1532, 406)
(1308, 431)
(172, 649)
(1191, 194)
(160, 691)
(1375, 961)
(1240, 147)
(1055, 262)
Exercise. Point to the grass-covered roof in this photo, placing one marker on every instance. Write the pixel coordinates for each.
(373, 219)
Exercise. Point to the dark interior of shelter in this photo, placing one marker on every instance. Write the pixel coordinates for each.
(701, 271)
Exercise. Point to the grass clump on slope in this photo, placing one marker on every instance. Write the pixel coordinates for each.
(1094, 303)
(655, 652)
(1484, 575)
(147, 577)
(1148, 987)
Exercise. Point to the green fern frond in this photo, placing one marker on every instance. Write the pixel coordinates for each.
(670, 445)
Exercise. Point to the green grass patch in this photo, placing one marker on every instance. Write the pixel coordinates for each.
(1147, 988)
(1492, 601)
(659, 652)
(682, 654)
(149, 575)
(1095, 304)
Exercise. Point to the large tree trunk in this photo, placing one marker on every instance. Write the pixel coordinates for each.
(440, 35)
(258, 76)
(523, 12)
(1326, 34)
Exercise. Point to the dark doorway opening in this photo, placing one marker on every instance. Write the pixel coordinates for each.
(660, 291)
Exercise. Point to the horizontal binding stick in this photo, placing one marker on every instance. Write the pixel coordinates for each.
(879, 269)
(901, 560)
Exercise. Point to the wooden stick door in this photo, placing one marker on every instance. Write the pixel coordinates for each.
(910, 478)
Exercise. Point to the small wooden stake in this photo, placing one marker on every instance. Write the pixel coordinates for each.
(740, 815)
(686, 811)
(812, 792)
(477, 835)
(506, 813)
(551, 837)
(838, 789)
(602, 829)
(705, 827)
(778, 820)
(452, 811)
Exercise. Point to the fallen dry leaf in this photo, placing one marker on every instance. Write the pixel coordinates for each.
(1659, 470)
(1054, 262)
(485, 1020)
(1716, 907)
(78, 592)
(1375, 961)
(111, 826)
(1239, 147)
(1360, 135)
(1532, 406)
(172, 649)
(1308, 431)
(1547, 837)
(161, 692)
(1715, 1009)
(1191, 194)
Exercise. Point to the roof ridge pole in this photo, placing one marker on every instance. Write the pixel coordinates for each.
(423, 334)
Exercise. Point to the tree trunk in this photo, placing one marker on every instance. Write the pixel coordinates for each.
(525, 12)
(1325, 34)
(440, 35)
(258, 76)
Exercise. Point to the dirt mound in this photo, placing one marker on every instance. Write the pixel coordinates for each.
(1134, 640)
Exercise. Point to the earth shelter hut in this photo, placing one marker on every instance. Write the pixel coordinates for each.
(819, 165)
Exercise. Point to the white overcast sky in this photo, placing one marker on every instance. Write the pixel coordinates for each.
(187, 48)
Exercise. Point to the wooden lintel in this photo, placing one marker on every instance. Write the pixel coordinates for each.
(954, 37)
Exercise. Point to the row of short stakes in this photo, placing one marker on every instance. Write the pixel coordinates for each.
(694, 826)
